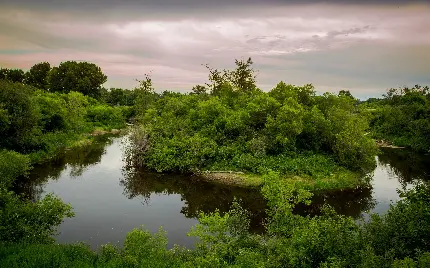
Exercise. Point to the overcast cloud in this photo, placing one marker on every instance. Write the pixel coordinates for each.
(363, 46)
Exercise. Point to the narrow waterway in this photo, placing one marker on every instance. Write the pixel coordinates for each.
(110, 200)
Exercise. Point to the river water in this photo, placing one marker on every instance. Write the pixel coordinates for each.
(109, 200)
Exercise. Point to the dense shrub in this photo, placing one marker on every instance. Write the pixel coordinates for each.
(30, 222)
(12, 165)
(106, 116)
(20, 116)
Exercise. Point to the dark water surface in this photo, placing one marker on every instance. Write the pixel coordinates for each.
(109, 200)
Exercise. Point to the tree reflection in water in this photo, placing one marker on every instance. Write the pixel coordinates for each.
(199, 195)
(406, 166)
(77, 160)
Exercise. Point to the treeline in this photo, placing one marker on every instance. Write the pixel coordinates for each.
(84, 77)
(402, 117)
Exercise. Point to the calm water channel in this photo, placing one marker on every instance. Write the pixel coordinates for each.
(109, 200)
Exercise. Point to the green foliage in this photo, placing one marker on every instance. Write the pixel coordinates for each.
(46, 255)
(37, 76)
(119, 96)
(398, 239)
(20, 117)
(38, 123)
(82, 77)
(230, 124)
(412, 216)
(12, 75)
(402, 117)
(30, 222)
(54, 113)
(106, 116)
(12, 165)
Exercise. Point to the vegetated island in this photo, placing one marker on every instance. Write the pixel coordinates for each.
(230, 125)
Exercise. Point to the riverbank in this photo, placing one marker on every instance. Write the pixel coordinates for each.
(69, 141)
(387, 144)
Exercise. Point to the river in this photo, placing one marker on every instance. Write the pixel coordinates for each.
(110, 200)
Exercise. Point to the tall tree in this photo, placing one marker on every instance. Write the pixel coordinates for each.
(242, 78)
(37, 76)
(83, 77)
(3, 73)
(13, 75)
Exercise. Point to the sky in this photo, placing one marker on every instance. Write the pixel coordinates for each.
(363, 46)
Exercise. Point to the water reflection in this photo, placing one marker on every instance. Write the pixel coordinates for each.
(75, 161)
(350, 202)
(197, 195)
(397, 169)
(406, 166)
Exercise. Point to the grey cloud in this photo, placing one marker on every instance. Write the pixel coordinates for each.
(313, 42)
(333, 34)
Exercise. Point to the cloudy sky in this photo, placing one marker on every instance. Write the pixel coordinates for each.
(363, 46)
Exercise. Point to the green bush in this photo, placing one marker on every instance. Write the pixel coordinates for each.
(105, 116)
(12, 165)
(30, 222)
(20, 116)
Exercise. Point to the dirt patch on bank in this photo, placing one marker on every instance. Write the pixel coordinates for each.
(99, 132)
(387, 144)
(230, 178)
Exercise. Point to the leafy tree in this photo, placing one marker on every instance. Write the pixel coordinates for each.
(199, 89)
(20, 117)
(82, 77)
(37, 76)
(242, 78)
(12, 75)
(345, 93)
(144, 94)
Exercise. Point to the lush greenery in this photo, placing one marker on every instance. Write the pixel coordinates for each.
(227, 124)
(38, 123)
(230, 124)
(402, 117)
